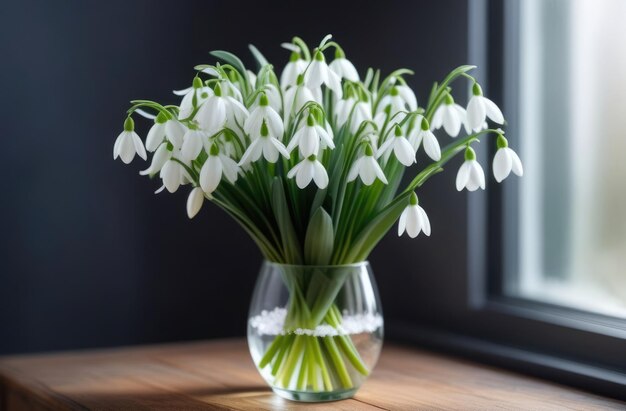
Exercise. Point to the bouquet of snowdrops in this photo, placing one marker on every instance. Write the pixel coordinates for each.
(311, 164)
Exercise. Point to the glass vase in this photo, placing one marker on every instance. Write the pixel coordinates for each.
(315, 332)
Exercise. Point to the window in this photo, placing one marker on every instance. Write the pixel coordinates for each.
(567, 231)
(545, 278)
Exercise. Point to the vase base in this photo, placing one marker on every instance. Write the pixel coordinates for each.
(307, 396)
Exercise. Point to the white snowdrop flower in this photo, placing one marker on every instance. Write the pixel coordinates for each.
(173, 175)
(193, 141)
(269, 146)
(479, 108)
(400, 146)
(195, 201)
(274, 98)
(470, 175)
(309, 169)
(413, 219)
(343, 67)
(264, 113)
(362, 112)
(296, 97)
(308, 138)
(367, 168)
(505, 161)
(215, 165)
(218, 110)
(128, 143)
(292, 70)
(199, 92)
(161, 155)
(175, 132)
(156, 134)
(343, 108)
(449, 115)
(400, 98)
(422, 134)
(319, 73)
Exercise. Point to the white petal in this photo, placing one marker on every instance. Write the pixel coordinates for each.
(325, 138)
(425, 220)
(451, 121)
(462, 177)
(404, 151)
(431, 145)
(183, 91)
(194, 202)
(280, 147)
(170, 174)
(294, 170)
(355, 169)
(269, 150)
(155, 136)
(127, 148)
(477, 174)
(230, 168)
(141, 151)
(408, 96)
(402, 221)
(186, 106)
(161, 155)
(174, 132)
(192, 145)
(502, 164)
(476, 112)
(493, 111)
(116, 145)
(320, 175)
(305, 174)
(385, 147)
(252, 153)
(309, 142)
(518, 169)
(413, 222)
(438, 118)
(211, 174)
(334, 83)
(275, 123)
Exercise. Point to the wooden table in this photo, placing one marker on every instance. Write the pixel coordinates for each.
(220, 375)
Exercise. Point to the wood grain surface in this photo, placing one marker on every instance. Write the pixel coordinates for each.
(218, 375)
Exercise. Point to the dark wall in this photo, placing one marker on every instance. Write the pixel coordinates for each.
(89, 255)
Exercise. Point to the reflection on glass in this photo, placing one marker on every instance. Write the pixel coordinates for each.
(570, 231)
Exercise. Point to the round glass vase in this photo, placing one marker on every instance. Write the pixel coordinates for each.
(315, 332)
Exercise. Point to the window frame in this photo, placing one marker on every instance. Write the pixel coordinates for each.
(563, 344)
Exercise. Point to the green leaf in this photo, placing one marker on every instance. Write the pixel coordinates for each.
(285, 225)
(319, 240)
(260, 58)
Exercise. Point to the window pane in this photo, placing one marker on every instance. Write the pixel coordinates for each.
(569, 224)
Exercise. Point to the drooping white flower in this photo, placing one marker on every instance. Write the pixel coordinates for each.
(160, 157)
(319, 73)
(195, 201)
(343, 67)
(173, 175)
(215, 165)
(400, 98)
(308, 138)
(309, 169)
(199, 92)
(269, 146)
(413, 219)
(297, 96)
(449, 115)
(422, 134)
(128, 143)
(292, 70)
(220, 109)
(367, 168)
(274, 98)
(470, 175)
(400, 146)
(264, 112)
(505, 161)
(479, 108)
(192, 144)
(156, 134)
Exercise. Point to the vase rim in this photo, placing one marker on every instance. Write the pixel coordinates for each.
(364, 263)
